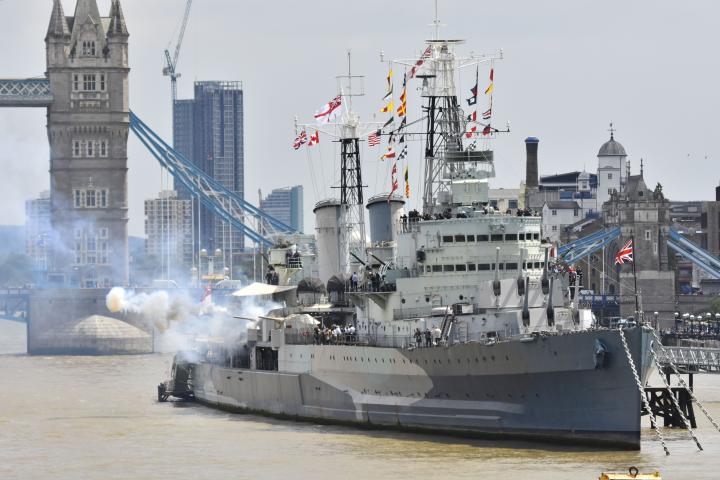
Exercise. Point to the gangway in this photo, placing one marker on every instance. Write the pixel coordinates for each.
(700, 257)
(242, 215)
(691, 359)
(579, 249)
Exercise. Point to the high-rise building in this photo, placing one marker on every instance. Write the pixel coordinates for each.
(208, 130)
(168, 227)
(37, 230)
(285, 204)
(88, 122)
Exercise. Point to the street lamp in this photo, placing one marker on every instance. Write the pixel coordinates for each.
(677, 321)
(655, 317)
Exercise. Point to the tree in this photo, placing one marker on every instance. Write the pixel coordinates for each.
(715, 305)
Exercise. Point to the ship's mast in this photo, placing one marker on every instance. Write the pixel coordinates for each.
(445, 122)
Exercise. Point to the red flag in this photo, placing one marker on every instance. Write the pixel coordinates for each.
(314, 139)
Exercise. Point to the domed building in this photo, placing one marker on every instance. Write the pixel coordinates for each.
(611, 171)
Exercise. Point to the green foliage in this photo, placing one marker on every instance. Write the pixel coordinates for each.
(715, 305)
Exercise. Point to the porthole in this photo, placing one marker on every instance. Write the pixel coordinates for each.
(402, 301)
(461, 297)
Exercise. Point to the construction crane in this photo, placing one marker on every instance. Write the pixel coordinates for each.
(171, 62)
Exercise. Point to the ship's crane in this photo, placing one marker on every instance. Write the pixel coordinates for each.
(171, 62)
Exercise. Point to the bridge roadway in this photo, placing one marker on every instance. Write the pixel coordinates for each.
(691, 359)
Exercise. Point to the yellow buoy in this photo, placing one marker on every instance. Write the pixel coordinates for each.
(633, 474)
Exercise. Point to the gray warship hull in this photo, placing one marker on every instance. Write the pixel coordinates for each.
(546, 387)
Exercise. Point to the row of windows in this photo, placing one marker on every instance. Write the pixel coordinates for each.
(482, 267)
(88, 47)
(90, 148)
(576, 212)
(91, 247)
(91, 198)
(495, 237)
(89, 82)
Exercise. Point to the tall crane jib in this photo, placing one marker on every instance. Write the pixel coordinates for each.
(170, 69)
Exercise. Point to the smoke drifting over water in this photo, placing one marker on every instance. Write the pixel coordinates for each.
(182, 322)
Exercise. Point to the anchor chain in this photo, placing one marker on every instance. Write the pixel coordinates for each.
(681, 381)
(653, 421)
(675, 401)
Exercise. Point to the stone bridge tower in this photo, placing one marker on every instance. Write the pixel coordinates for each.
(88, 125)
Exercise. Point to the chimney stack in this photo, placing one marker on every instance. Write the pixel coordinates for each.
(531, 165)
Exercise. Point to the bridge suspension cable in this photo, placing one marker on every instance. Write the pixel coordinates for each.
(257, 225)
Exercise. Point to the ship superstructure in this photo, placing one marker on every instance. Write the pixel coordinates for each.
(456, 323)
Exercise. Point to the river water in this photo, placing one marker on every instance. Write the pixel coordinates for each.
(97, 417)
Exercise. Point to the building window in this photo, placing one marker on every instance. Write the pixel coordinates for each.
(448, 268)
(471, 267)
(76, 82)
(90, 148)
(447, 239)
(554, 212)
(437, 268)
(575, 212)
(90, 199)
(77, 200)
(609, 176)
(470, 238)
(496, 237)
(647, 234)
(103, 200)
(459, 238)
(460, 268)
(511, 237)
(512, 204)
(88, 47)
(610, 190)
(103, 148)
(482, 238)
(655, 248)
(554, 228)
(89, 82)
(76, 148)
(511, 266)
(102, 82)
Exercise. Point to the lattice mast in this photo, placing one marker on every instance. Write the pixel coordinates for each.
(348, 132)
(445, 123)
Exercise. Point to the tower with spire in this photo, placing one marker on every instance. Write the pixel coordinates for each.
(88, 125)
(611, 173)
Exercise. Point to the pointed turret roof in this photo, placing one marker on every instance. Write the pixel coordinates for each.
(58, 23)
(117, 20)
(85, 8)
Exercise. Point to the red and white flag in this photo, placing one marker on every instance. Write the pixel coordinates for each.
(314, 139)
(625, 254)
(394, 185)
(389, 154)
(207, 296)
(300, 140)
(426, 54)
(374, 138)
(329, 111)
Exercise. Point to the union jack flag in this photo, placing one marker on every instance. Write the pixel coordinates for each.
(300, 140)
(625, 254)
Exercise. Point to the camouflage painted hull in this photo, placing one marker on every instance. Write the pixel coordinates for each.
(549, 388)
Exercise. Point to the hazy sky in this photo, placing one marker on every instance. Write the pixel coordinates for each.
(570, 67)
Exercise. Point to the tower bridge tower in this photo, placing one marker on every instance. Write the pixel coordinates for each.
(88, 125)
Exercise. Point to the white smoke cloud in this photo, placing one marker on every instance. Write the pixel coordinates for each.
(182, 323)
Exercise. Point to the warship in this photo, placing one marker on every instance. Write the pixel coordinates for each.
(455, 321)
